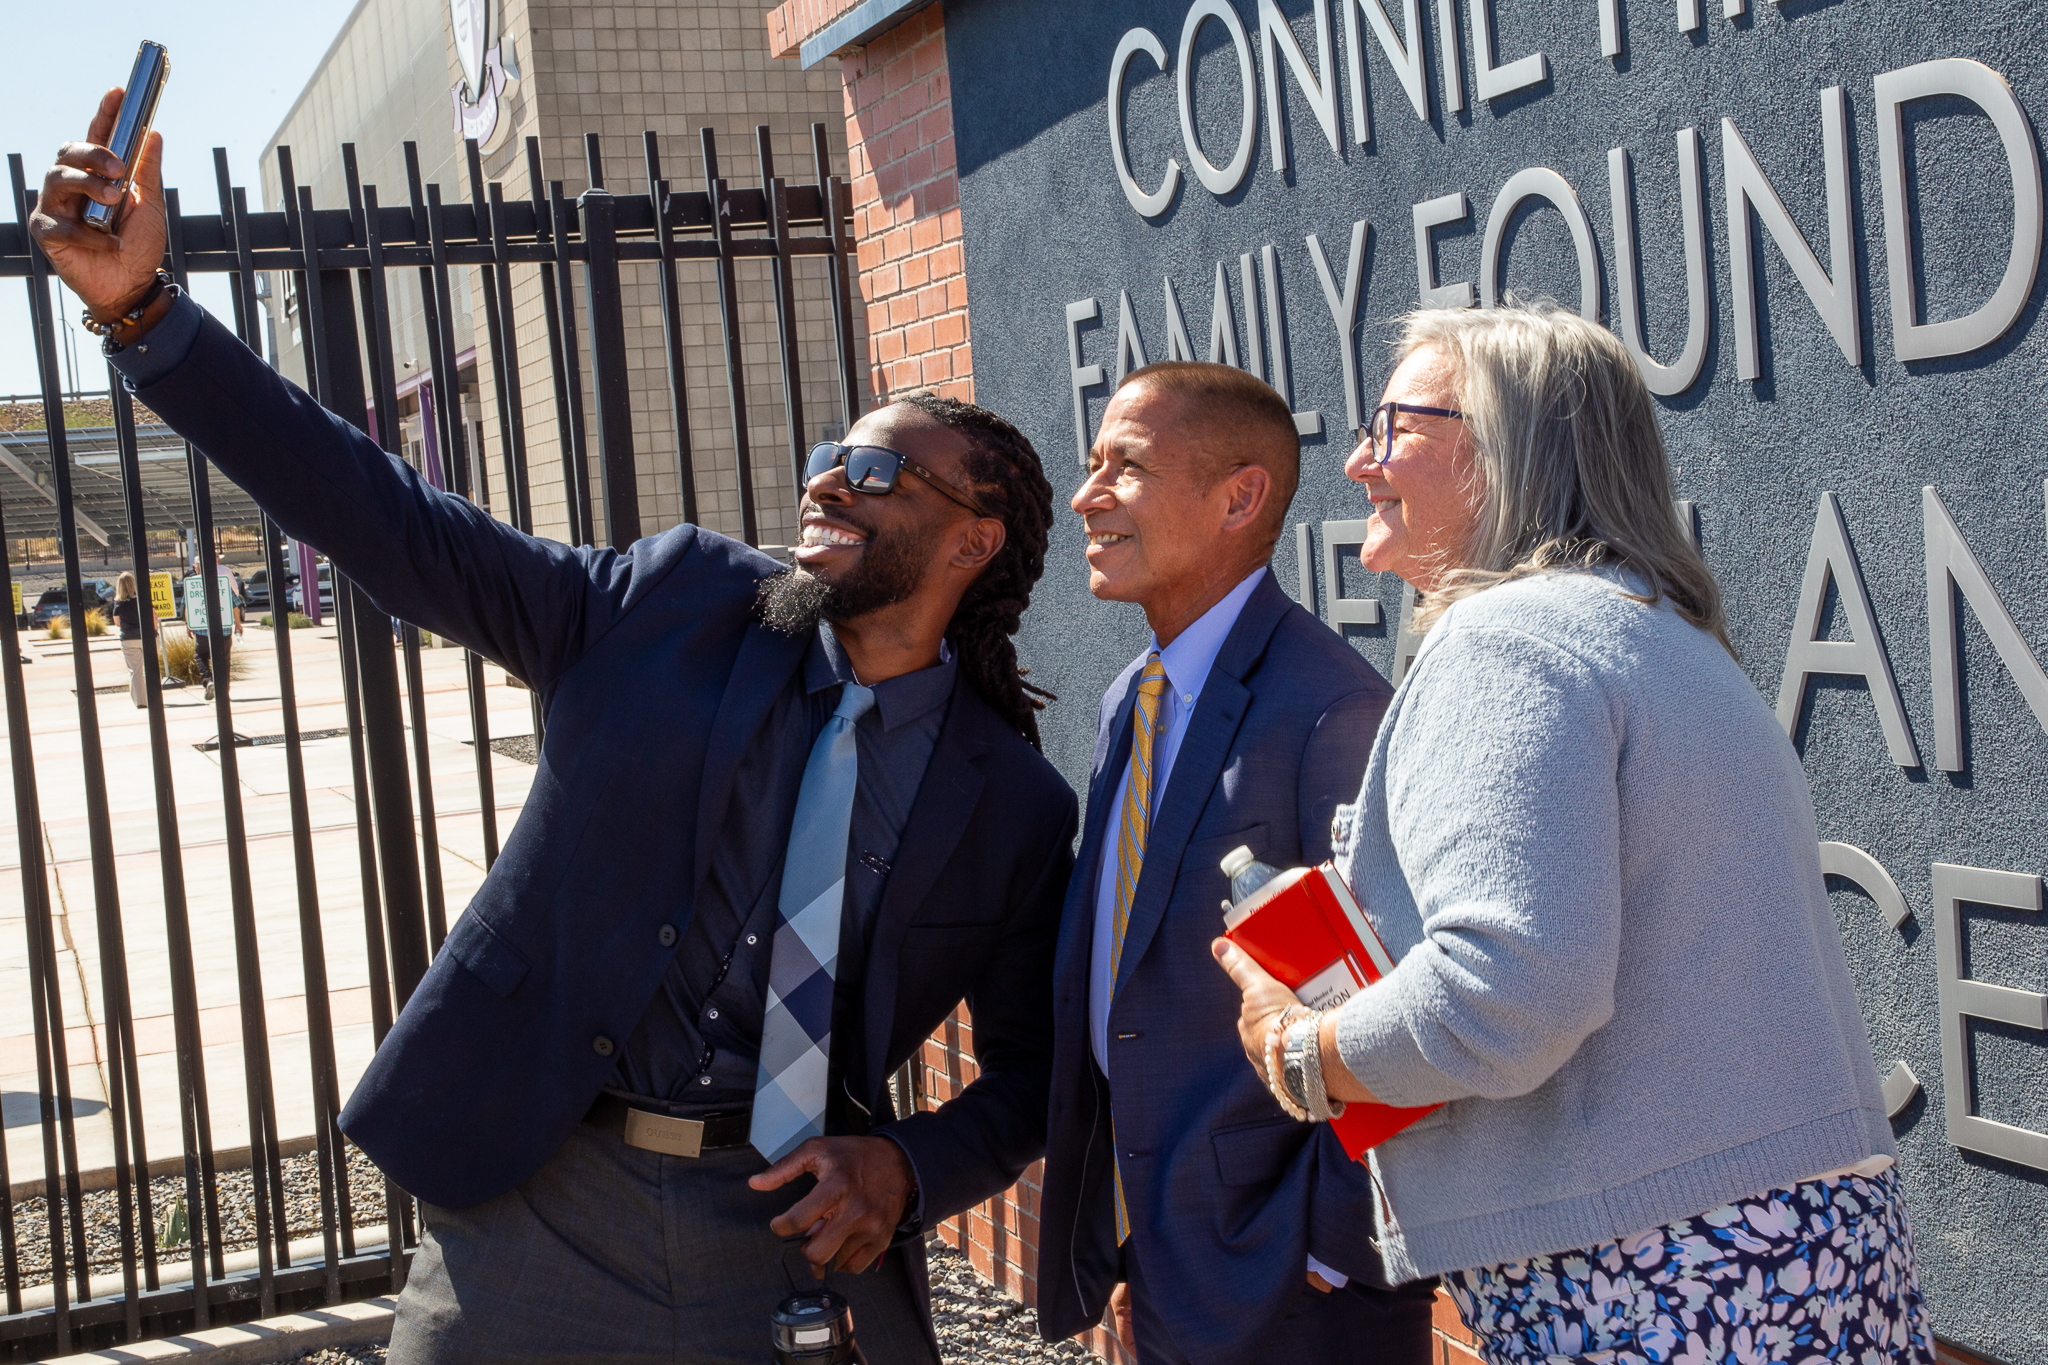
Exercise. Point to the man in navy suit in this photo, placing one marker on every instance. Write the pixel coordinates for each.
(785, 820)
(1178, 1197)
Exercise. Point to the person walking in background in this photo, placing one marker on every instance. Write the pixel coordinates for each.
(1177, 1197)
(198, 601)
(786, 819)
(1592, 850)
(131, 614)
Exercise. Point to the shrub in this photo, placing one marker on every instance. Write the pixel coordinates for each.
(297, 622)
(95, 622)
(60, 627)
(180, 657)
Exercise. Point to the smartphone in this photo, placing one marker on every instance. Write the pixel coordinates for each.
(131, 129)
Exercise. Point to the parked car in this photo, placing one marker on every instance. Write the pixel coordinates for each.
(256, 590)
(295, 598)
(56, 602)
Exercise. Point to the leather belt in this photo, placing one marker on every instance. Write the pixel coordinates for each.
(653, 1132)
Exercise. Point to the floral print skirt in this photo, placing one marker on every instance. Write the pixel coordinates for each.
(1820, 1271)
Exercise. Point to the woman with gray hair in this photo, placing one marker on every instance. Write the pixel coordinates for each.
(1591, 850)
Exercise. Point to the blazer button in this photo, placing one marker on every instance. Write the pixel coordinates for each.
(601, 1045)
(667, 936)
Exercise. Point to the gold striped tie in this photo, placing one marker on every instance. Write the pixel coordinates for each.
(1133, 826)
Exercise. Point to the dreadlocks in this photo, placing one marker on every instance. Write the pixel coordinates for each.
(1004, 470)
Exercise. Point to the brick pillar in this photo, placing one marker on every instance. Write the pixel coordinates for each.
(906, 205)
(906, 196)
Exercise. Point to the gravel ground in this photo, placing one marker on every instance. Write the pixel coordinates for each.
(238, 1221)
(977, 1325)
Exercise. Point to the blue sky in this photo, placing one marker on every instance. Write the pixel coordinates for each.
(236, 67)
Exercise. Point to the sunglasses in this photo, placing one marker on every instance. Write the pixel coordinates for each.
(875, 469)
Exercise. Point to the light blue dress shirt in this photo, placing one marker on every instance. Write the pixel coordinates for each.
(1188, 661)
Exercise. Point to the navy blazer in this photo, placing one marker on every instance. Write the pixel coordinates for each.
(1227, 1195)
(655, 675)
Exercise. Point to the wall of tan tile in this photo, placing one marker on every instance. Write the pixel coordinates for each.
(615, 70)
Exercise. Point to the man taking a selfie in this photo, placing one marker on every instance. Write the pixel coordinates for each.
(785, 821)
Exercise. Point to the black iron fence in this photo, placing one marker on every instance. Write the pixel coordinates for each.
(151, 1242)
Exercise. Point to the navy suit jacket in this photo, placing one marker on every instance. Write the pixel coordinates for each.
(655, 676)
(1227, 1195)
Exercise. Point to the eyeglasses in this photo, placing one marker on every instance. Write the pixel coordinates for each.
(874, 470)
(1379, 434)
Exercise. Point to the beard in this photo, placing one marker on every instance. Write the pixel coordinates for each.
(892, 564)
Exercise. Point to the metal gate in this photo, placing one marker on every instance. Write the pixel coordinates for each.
(160, 1261)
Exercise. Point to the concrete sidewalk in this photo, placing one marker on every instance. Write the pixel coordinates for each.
(201, 812)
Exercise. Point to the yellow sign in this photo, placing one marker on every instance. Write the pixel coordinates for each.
(17, 599)
(160, 600)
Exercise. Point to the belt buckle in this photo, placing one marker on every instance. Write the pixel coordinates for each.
(659, 1133)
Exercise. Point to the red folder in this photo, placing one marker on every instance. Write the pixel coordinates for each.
(1305, 927)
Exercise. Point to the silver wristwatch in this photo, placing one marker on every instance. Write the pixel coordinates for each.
(1298, 1045)
(1301, 1053)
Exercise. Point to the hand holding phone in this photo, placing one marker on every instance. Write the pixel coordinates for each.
(132, 124)
(108, 270)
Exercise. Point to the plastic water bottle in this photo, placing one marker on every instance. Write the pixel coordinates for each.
(1247, 874)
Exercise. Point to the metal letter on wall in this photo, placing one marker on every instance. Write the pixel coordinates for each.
(1540, 182)
(1255, 348)
(1222, 324)
(1494, 81)
(1083, 376)
(1153, 204)
(1343, 303)
(1178, 347)
(1664, 380)
(1832, 558)
(1868, 875)
(1610, 28)
(1441, 211)
(1319, 87)
(1749, 191)
(1341, 611)
(1951, 565)
(1985, 88)
(1404, 57)
(1964, 996)
(1308, 423)
(1218, 182)
(1130, 347)
(1407, 640)
(1453, 69)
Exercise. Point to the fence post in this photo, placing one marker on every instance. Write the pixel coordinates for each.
(377, 681)
(609, 381)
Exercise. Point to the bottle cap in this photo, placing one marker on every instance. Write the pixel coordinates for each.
(1237, 860)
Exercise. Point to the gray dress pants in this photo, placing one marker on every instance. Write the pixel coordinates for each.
(613, 1254)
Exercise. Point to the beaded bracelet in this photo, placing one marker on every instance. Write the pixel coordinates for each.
(105, 330)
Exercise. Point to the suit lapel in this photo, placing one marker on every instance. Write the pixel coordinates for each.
(1203, 751)
(938, 820)
(763, 667)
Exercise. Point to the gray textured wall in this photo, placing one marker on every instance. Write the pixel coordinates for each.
(1047, 224)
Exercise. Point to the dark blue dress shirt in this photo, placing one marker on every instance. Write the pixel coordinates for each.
(697, 1046)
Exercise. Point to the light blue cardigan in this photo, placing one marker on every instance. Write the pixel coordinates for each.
(1591, 849)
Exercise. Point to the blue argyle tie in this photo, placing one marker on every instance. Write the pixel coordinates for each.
(796, 1034)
